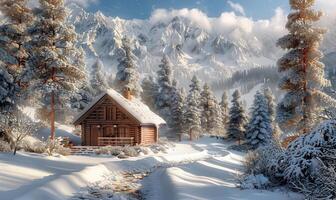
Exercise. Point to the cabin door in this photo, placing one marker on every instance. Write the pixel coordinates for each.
(94, 135)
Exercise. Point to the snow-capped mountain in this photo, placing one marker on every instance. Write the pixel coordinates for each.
(191, 48)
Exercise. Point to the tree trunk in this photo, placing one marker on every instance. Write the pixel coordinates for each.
(15, 149)
(52, 112)
(52, 116)
(305, 90)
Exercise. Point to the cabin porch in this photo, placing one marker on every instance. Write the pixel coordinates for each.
(110, 135)
(116, 141)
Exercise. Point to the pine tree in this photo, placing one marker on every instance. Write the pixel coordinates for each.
(82, 98)
(8, 90)
(177, 106)
(224, 106)
(237, 118)
(128, 76)
(271, 103)
(193, 111)
(13, 51)
(259, 129)
(163, 100)
(150, 91)
(98, 80)
(54, 71)
(209, 106)
(303, 73)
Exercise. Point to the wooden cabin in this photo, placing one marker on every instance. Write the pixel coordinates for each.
(118, 120)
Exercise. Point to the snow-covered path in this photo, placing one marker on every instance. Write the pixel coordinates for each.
(204, 169)
(213, 178)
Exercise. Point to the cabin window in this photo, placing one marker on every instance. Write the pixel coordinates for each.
(108, 131)
(109, 113)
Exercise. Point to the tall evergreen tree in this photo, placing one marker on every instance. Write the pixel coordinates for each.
(224, 106)
(54, 70)
(259, 129)
(128, 75)
(237, 118)
(193, 111)
(209, 106)
(13, 51)
(303, 73)
(271, 103)
(163, 98)
(177, 106)
(150, 91)
(98, 80)
(82, 97)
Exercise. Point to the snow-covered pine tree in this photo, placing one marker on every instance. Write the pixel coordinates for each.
(110, 79)
(303, 73)
(177, 106)
(150, 91)
(237, 118)
(224, 106)
(309, 162)
(270, 102)
(54, 71)
(98, 80)
(8, 90)
(164, 78)
(128, 76)
(259, 129)
(193, 112)
(209, 106)
(13, 53)
(82, 98)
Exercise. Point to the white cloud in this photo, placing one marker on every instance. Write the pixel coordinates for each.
(237, 7)
(194, 15)
(228, 23)
(260, 33)
(83, 3)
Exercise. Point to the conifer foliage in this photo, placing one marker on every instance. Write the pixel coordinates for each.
(150, 91)
(193, 111)
(163, 99)
(177, 108)
(224, 106)
(128, 76)
(210, 110)
(238, 119)
(98, 80)
(259, 129)
(303, 73)
(54, 72)
(13, 51)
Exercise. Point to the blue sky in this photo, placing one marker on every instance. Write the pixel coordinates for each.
(142, 9)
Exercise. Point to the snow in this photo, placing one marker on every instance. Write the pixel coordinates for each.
(190, 170)
(213, 178)
(134, 106)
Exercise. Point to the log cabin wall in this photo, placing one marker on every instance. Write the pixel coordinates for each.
(107, 119)
(148, 135)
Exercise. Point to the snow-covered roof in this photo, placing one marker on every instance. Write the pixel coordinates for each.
(135, 107)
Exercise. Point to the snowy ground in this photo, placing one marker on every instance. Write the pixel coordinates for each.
(200, 170)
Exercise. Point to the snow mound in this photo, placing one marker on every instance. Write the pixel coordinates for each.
(44, 133)
(258, 181)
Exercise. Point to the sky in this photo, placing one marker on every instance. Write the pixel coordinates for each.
(142, 9)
